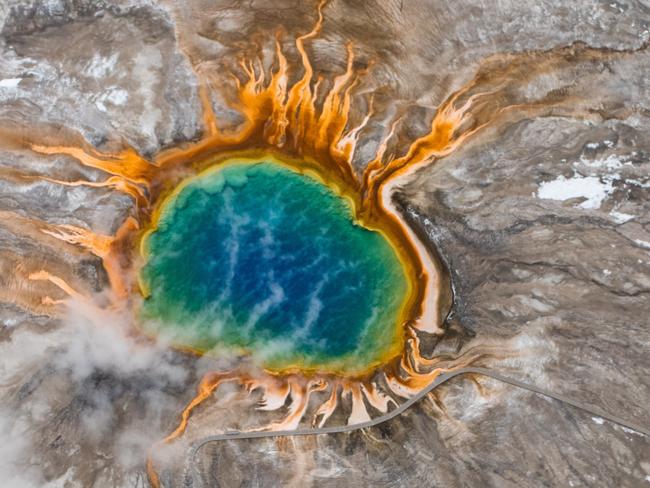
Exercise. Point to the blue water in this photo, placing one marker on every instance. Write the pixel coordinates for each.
(255, 256)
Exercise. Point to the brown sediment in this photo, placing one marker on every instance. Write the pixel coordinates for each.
(376, 398)
(108, 248)
(23, 287)
(126, 164)
(57, 281)
(19, 273)
(326, 409)
(115, 182)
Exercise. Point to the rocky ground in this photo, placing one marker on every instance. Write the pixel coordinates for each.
(542, 218)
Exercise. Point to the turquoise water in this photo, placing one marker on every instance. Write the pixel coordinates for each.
(256, 256)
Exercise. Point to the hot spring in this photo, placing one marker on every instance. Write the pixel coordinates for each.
(255, 258)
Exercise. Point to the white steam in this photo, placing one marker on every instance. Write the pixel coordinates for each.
(84, 388)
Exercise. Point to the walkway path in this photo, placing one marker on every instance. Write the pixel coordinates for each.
(232, 435)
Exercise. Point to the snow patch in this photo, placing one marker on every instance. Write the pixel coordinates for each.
(630, 431)
(639, 183)
(10, 82)
(644, 244)
(596, 145)
(611, 162)
(620, 217)
(116, 96)
(100, 66)
(592, 189)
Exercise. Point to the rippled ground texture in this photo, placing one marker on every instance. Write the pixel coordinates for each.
(257, 257)
(557, 273)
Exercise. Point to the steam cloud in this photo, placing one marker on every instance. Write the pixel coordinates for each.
(115, 396)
